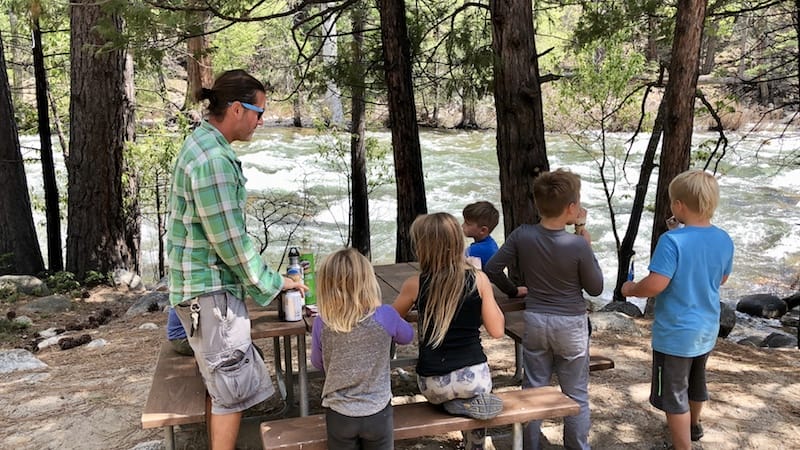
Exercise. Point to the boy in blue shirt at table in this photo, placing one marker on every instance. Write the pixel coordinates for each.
(686, 270)
(480, 219)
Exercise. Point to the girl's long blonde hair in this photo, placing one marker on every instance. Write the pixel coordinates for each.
(347, 290)
(439, 245)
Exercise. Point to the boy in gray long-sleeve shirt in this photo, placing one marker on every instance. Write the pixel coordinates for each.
(557, 267)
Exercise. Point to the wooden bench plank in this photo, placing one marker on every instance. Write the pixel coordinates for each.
(423, 419)
(177, 394)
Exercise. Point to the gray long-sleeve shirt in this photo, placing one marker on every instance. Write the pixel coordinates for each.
(557, 266)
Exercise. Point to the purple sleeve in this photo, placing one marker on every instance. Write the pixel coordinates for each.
(401, 331)
(316, 343)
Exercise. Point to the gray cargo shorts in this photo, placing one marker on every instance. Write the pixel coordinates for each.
(235, 375)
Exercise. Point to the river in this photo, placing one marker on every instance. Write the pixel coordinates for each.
(759, 186)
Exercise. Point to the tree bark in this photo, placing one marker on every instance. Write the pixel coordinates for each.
(625, 253)
(17, 232)
(55, 260)
(358, 158)
(411, 200)
(98, 230)
(199, 73)
(330, 52)
(679, 98)
(521, 151)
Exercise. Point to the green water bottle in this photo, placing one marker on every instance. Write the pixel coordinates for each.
(307, 263)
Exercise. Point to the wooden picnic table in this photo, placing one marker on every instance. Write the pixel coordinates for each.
(264, 323)
(392, 276)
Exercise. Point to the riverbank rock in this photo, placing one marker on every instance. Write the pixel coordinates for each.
(727, 319)
(626, 308)
(779, 340)
(762, 305)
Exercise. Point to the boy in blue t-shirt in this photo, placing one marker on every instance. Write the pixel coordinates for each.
(686, 270)
(480, 219)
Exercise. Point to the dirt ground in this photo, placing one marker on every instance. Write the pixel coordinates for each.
(93, 398)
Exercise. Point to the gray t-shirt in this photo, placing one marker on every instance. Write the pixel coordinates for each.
(356, 364)
(557, 266)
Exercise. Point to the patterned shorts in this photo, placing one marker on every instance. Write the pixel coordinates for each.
(462, 383)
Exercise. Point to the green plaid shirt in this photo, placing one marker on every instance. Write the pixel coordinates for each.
(207, 246)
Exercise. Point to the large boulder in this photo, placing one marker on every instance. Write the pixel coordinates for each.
(762, 305)
(50, 304)
(152, 301)
(26, 284)
(614, 321)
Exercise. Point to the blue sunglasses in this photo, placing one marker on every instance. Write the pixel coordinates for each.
(259, 111)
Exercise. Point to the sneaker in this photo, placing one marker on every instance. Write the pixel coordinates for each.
(697, 432)
(482, 407)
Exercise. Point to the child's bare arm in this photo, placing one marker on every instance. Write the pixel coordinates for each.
(407, 296)
(649, 286)
(493, 319)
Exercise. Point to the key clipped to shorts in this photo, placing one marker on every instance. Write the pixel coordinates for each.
(195, 315)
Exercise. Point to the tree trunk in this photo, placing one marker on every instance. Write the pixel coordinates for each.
(625, 252)
(652, 40)
(17, 232)
(199, 73)
(358, 159)
(521, 151)
(405, 131)
(468, 120)
(101, 123)
(679, 113)
(329, 54)
(55, 260)
(18, 73)
(710, 42)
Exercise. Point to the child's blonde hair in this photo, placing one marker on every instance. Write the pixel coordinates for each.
(554, 191)
(347, 289)
(696, 189)
(439, 245)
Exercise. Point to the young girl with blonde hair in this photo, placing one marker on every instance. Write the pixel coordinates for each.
(351, 342)
(453, 299)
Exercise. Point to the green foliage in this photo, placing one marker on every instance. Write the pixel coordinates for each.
(599, 89)
(8, 293)
(63, 282)
(27, 118)
(334, 152)
(9, 328)
(94, 278)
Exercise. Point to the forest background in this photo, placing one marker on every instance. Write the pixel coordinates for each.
(110, 85)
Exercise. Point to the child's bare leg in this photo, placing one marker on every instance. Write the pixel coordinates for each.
(679, 430)
(695, 408)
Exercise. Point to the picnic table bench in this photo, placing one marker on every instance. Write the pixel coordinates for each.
(177, 394)
(415, 420)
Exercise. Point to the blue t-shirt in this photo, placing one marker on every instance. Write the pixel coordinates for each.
(174, 327)
(484, 249)
(695, 259)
